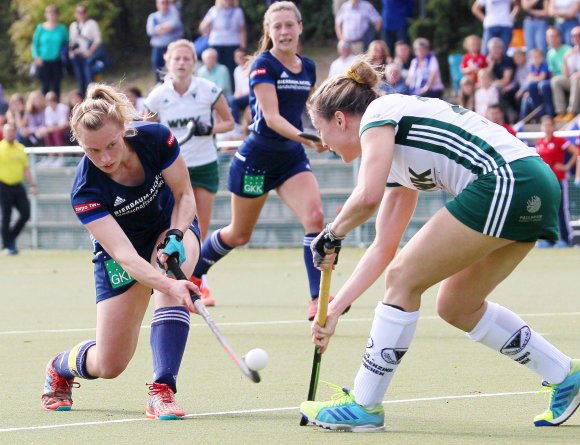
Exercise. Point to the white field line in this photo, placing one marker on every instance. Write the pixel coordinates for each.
(264, 323)
(253, 411)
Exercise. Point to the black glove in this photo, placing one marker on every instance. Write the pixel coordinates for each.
(326, 242)
(201, 128)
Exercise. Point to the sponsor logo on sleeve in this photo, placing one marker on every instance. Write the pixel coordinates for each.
(258, 72)
(86, 207)
(170, 140)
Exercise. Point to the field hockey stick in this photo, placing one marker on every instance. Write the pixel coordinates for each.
(190, 127)
(323, 296)
(519, 124)
(173, 264)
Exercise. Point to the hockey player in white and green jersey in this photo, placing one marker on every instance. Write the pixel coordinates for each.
(504, 198)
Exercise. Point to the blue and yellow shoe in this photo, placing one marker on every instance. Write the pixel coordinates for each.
(344, 414)
(564, 399)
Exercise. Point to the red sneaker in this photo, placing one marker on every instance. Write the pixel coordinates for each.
(161, 403)
(57, 394)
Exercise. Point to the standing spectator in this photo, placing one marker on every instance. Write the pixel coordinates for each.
(424, 77)
(395, 15)
(535, 24)
(552, 150)
(503, 69)
(403, 57)
(49, 41)
(272, 157)
(215, 72)
(163, 26)
(565, 14)
(85, 40)
(336, 4)
(498, 19)
(393, 82)
(32, 132)
(467, 93)
(496, 115)
(537, 87)
(226, 28)
(474, 59)
(355, 20)
(566, 87)
(485, 94)
(241, 98)
(56, 116)
(13, 168)
(342, 62)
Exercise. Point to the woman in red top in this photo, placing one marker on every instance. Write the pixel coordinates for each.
(552, 150)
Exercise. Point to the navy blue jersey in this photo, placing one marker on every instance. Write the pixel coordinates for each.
(142, 211)
(292, 91)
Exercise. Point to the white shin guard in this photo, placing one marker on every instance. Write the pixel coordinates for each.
(391, 334)
(502, 330)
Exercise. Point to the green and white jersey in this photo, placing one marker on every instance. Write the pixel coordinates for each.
(175, 110)
(439, 146)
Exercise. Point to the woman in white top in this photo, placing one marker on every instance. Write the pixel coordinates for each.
(226, 26)
(498, 19)
(84, 41)
(183, 97)
(504, 198)
(424, 78)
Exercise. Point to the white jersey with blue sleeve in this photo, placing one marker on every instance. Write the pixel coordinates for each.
(439, 146)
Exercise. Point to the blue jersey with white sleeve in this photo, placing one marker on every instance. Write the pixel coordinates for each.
(292, 91)
(141, 211)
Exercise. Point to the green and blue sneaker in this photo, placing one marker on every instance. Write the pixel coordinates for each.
(344, 414)
(564, 399)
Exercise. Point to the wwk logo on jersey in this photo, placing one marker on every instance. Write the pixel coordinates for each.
(422, 181)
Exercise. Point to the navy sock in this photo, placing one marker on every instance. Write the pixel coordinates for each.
(169, 331)
(312, 272)
(73, 363)
(213, 249)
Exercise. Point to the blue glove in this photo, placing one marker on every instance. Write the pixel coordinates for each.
(173, 245)
(326, 242)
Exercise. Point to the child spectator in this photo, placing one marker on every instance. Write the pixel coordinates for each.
(552, 150)
(536, 86)
(474, 59)
(56, 123)
(467, 93)
(496, 115)
(32, 132)
(241, 98)
(486, 93)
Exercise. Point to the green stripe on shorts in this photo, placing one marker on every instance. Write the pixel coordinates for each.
(517, 201)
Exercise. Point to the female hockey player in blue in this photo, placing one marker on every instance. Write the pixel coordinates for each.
(272, 156)
(132, 193)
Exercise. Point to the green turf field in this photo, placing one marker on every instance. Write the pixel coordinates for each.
(447, 391)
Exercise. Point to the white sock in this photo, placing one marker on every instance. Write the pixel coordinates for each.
(391, 334)
(503, 331)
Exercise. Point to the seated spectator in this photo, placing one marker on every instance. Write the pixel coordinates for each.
(536, 90)
(32, 133)
(394, 82)
(467, 93)
(566, 87)
(241, 99)
(136, 97)
(56, 122)
(520, 78)
(424, 77)
(215, 72)
(355, 21)
(565, 14)
(503, 69)
(473, 60)
(496, 115)
(378, 55)
(345, 57)
(74, 98)
(403, 57)
(15, 113)
(552, 149)
(498, 19)
(486, 93)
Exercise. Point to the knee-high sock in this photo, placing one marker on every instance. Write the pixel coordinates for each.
(391, 334)
(503, 331)
(169, 331)
(213, 249)
(312, 272)
(73, 363)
